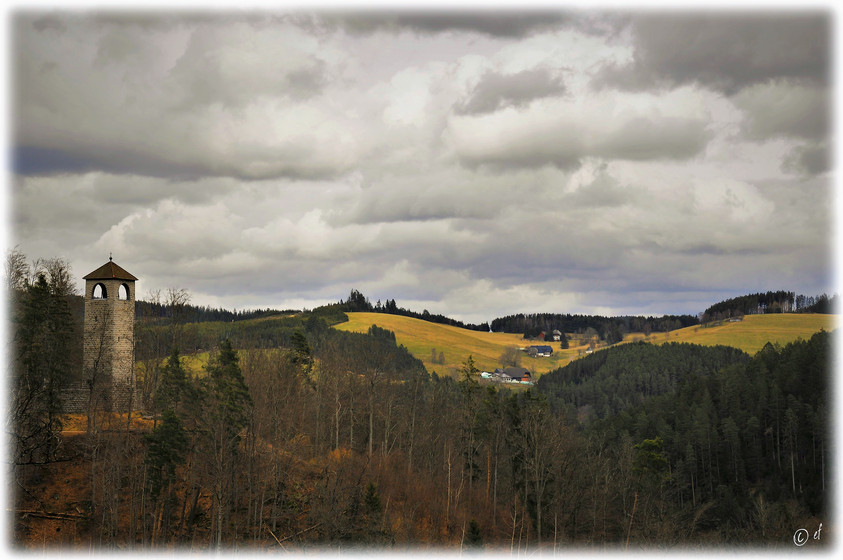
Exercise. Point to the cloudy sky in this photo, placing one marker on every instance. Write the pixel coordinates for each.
(474, 164)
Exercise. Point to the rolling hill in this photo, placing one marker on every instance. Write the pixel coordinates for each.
(421, 337)
(751, 334)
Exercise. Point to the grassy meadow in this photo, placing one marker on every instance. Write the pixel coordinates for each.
(751, 334)
(195, 363)
(421, 337)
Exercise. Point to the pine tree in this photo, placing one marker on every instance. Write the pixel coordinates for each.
(226, 411)
(302, 354)
(165, 452)
(372, 500)
(173, 385)
(229, 395)
(44, 332)
(473, 538)
(373, 531)
(471, 406)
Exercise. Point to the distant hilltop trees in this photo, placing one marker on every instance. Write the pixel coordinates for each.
(610, 329)
(200, 314)
(533, 325)
(357, 302)
(770, 302)
(820, 304)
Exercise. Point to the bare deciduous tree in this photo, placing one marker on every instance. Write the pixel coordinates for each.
(511, 357)
(16, 269)
(176, 300)
(96, 372)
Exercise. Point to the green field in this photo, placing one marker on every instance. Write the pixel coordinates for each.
(420, 337)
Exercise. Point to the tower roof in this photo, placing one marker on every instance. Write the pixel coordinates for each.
(109, 271)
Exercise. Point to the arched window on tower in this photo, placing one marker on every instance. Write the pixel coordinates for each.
(99, 292)
(123, 292)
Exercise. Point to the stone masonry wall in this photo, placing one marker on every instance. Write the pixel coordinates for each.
(109, 342)
(74, 397)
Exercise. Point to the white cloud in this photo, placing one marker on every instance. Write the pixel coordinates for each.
(257, 162)
(561, 132)
(408, 97)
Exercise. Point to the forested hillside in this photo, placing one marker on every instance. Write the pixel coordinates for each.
(745, 435)
(610, 329)
(533, 324)
(297, 435)
(770, 302)
(615, 379)
(328, 431)
(161, 309)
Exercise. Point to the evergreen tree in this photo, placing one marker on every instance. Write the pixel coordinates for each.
(302, 354)
(471, 405)
(226, 410)
(357, 302)
(167, 443)
(372, 501)
(374, 531)
(173, 384)
(473, 537)
(229, 396)
(44, 333)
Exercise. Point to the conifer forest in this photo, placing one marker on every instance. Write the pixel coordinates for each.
(298, 436)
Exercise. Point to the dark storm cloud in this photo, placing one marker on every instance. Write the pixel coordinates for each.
(696, 249)
(212, 71)
(131, 132)
(648, 139)
(497, 91)
(783, 110)
(291, 162)
(142, 191)
(723, 52)
(152, 20)
(564, 145)
(567, 158)
(48, 22)
(35, 160)
(185, 99)
(500, 24)
(808, 159)
(306, 82)
(580, 253)
(39, 161)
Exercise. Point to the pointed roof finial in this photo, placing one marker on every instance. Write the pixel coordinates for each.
(109, 255)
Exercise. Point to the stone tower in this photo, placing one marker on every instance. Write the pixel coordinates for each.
(109, 336)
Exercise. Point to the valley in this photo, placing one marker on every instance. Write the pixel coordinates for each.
(422, 337)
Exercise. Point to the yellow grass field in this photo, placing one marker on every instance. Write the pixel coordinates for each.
(420, 337)
(751, 334)
(195, 363)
